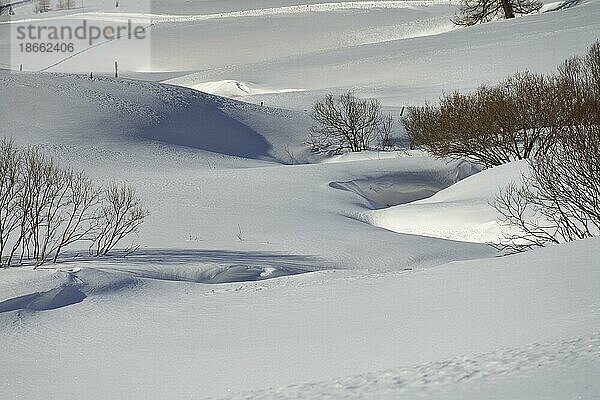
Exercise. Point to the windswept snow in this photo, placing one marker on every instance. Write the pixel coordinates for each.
(137, 124)
(149, 18)
(461, 212)
(266, 270)
(545, 370)
(313, 328)
(124, 112)
(229, 88)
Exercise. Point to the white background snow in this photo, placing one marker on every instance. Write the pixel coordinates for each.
(365, 300)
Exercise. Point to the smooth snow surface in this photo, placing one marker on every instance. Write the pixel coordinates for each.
(231, 88)
(461, 212)
(267, 271)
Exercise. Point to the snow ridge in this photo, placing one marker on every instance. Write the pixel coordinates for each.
(407, 382)
(261, 12)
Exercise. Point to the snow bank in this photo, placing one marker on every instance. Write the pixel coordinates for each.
(487, 324)
(540, 366)
(460, 212)
(119, 113)
(227, 88)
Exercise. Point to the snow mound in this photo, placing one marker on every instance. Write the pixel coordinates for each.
(119, 112)
(205, 266)
(227, 88)
(461, 212)
(49, 300)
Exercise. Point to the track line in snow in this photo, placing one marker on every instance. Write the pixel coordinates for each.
(143, 18)
(412, 382)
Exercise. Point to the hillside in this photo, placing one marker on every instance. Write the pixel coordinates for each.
(268, 271)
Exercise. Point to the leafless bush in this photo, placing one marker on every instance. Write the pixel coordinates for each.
(384, 134)
(45, 208)
(65, 4)
(80, 214)
(42, 6)
(347, 123)
(292, 160)
(120, 215)
(491, 126)
(473, 12)
(10, 187)
(44, 196)
(560, 200)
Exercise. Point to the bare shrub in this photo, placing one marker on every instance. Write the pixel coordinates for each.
(10, 185)
(347, 123)
(65, 4)
(560, 200)
(471, 12)
(384, 134)
(43, 198)
(42, 6)
(292, 160)
(45, 208)
(490, 126)
(120, 215)
(80, 212)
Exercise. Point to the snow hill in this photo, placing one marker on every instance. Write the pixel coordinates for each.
(462, 211)
(267, 271)
(123, 112)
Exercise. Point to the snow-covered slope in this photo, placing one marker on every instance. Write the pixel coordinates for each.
(404, 52)
(461, 212)
(131, 128)
(257, 279)
(462, 330)
(548, 347)
(121, 113)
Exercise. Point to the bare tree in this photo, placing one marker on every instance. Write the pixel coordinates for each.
(384, 133)
(65, 4)
(121, 214)
(346, 123)
(471, 12)
(560, 200)
(45, 208)
(9, 189)
(80, 212)
(47, 191)
(42, 6)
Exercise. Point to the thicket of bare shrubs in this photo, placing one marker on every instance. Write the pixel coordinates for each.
(45, 208)
(553, 121)
(559, 201)
(493, 125)
(347, 123)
